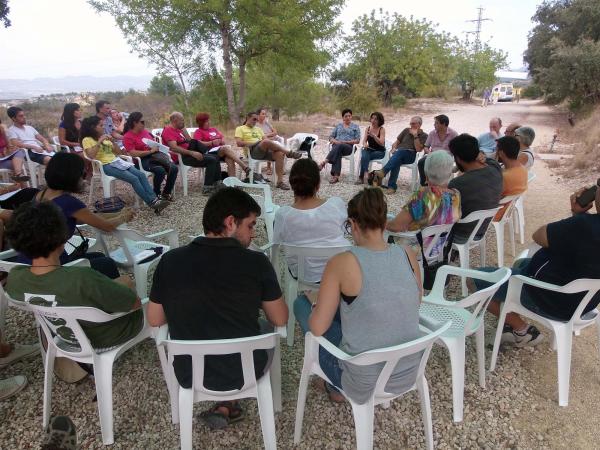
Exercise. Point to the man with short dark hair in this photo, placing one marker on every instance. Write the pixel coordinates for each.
(25, 136)
(103, 108)
(480, 185)
(514, 175)
(213, 288)
(437, 139)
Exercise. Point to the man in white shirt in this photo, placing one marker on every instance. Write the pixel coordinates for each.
(25, 136)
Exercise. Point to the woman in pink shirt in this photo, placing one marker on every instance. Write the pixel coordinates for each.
(213, 139)
(152, 159)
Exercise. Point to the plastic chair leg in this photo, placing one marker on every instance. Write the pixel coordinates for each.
(511, 231)
(363, 422)
(302, 388)
(463, 256)
(456, 348)
(423, 390)
(186, 410)
(564, 341)
(499, 229)
(184, 180)
(480, 343)
(275, 372)
(267, 415)
(498, 338)
(290, 296)
(269, 219)
(48, 378)
(106, 187)
(140, 273)
(521, 219)
(171, 387)
(352, 174)
(598, 329)
(103, 379)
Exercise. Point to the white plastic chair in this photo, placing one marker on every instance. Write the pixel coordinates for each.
(479, 218)
(128, 254)
(351, 158)
(467, 317)
(507, 218)
(382, 161)
(35, 171)
(297, 139)
(264, 200)
(58, 146)
(157, 133)
(268, 397)
(79, 349)
(293, 286)
(364, 414)
(106, 181)
(519, 217)
(562, 331)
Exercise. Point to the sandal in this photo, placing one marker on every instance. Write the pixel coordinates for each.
(334, 179)
(334, 396)
(283, 186)
(217, 420)
(269, 171)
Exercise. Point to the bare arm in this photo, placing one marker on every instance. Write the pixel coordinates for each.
(62, 138)
(329, 298)
(155, 314)
(276, 311)
(84, 215)
(44, 142)
(540, 236)
(141, 153)
(400, 222)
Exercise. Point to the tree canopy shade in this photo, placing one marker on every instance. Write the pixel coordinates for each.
(164, 85)
(4, 10)
(239, 32)
(476, 66)
(564, 50)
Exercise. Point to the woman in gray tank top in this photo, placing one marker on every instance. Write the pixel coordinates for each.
(369, 298)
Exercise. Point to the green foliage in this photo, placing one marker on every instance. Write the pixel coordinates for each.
(361, 98)
(476, 66)
(564, 51)
(398, 101)
(164, 85)
(208, 95)
(532, 91)
(4, 10)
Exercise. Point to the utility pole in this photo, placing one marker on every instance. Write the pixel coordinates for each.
(477, 31)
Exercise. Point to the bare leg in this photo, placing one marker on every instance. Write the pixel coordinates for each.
(512, 319)
(269, 168)
(228, 153)
(230, 166)
(46, 160)
(279, 158)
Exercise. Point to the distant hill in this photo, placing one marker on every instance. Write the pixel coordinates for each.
(20, 88)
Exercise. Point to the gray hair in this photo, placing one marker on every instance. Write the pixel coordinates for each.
(526, 134)
(174, 115)
(438, 168)
(419, 118)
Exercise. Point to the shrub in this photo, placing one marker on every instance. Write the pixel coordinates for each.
(532, 91)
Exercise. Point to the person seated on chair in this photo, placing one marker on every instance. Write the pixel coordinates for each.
(102, 147)
(511, 128)
(268, 130)
(220, 301)
(214, 140)
(434, 204)
(514, 175)
(404, 151)
(342, 140)
(569, 251)
(437, 139)
(13, 158)
(373, 144)
(310, 221)
(250, 135)
(377, 302)
(152, 159)
(191, 152)
(72, 286)
(480, 185)
(525, 135)
(487, 141)
(103, 111)
(64, 177)
(69, 126)
(21, 135)
(118, 121)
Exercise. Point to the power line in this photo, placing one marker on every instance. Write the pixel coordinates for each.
(480, 19)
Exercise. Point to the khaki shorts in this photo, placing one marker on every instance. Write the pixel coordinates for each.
(258, 153)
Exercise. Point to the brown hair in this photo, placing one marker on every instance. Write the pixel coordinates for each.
(368, 209)
(305, 178)
(201, 118)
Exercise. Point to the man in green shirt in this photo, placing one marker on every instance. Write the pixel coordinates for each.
(71, 286)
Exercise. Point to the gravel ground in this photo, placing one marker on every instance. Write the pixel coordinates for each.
(517, 409)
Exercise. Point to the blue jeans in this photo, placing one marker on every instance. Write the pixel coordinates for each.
(366, 156)
(400, 157)
(330, 365)
(137, 179)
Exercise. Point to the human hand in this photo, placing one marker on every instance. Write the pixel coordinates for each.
(48, 147)
(481, 158)
(197, 155)
(128, 214)
(575, 207)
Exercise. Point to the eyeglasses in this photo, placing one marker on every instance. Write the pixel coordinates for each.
(143, 122)
(347, 228)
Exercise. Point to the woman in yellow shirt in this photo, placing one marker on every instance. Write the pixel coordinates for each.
(102, 147)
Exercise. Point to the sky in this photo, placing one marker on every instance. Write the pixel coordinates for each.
(57, 38)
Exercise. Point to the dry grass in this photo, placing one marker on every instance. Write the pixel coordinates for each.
(586, 136)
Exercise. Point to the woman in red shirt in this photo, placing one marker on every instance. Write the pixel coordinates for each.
(213, 139)
(152, 159)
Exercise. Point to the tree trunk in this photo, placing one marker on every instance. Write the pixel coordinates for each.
(226, 48)
(242, 91)
(276, 114)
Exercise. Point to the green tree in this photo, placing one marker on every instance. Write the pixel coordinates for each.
(164, 85)
(476, 66)
(4, 10)
(239, 31)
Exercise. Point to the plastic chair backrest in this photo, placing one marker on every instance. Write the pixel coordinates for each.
(199, 349)
(157, 133)
(390, 355)
(301, 253)
(125, 237)
(481, 217)
(191, 131)
(54, 318)
(432, 240)
(267, 199)
(511, 201)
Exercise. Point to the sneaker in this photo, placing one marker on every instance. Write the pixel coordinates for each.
(283, 186)
(18, 353)
(294, 155)
(508, 336)
(389, 191)
(167, 197)
(530, 338)
(11, 386)
(259, 179)
(158, 205)
(209, 190)
(60, 433)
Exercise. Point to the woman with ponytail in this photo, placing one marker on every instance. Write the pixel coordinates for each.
(369, 298)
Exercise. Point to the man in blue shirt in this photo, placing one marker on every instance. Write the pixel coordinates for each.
(487, 141)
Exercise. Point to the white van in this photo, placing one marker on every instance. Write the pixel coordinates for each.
(502, 92)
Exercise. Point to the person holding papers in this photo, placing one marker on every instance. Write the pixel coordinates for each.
(138, 142)
(213, 139)
(21, 135)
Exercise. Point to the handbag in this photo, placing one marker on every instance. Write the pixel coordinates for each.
(80, 250)
(110, 204)
(430, 270)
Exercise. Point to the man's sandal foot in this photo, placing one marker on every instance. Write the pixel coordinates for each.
(333, 395)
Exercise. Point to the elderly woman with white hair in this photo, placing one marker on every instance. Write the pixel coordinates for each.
(404, 151)
(525, 135)
(434, 204)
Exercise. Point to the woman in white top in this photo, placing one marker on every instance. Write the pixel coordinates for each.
(310, 221)
(525, 135)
